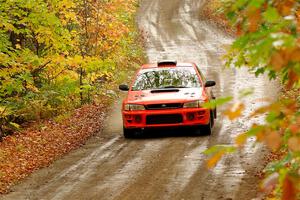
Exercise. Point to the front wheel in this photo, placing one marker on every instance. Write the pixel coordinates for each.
(207, 129)
(1, 135)
(129, 133)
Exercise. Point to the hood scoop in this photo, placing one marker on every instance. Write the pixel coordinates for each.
(164, 90)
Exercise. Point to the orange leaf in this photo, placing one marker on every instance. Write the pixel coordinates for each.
(254, 19)
(273, 140)
(295, 128)
(294, 143)
(289, 191)
(277, 61)
(239, 29)
(295, 55)
(293, 77)
(286, 7)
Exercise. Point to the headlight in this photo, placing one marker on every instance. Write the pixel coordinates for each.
(129, 107)
(193, 104)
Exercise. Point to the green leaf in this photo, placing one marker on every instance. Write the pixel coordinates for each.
(254, 130)
(260, 71)
(271, 15)
(231, 15)
(246, 93)
(239, 4)
(256, 3)
(273, 116)
(218, 148)
(217, 102)
(14, 125)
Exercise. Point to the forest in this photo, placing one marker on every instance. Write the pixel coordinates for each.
(57, 55)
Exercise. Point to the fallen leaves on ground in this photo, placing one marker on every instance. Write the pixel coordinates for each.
(41, 143)
(209, 13)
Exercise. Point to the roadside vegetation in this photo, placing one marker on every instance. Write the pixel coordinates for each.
(59, 63)
(267, 42)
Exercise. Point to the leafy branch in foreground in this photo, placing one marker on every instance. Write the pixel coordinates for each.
(268, 42)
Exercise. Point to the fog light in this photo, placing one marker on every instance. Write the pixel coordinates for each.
(138, 119)
(201, 112)
(190, 116)
(128, 117)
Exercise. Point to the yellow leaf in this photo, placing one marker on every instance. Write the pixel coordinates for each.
(241, 139)
(214, 159)
(261, 110)
(18, 46)
(260, 136)
(235, 111)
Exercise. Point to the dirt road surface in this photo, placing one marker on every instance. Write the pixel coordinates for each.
(168, 164)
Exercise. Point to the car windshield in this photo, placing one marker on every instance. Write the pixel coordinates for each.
(166, 77)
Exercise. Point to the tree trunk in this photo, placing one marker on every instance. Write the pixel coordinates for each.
(80, 85)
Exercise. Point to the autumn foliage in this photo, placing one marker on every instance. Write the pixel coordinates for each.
(55, 55)
(268, 42)
(58, 58)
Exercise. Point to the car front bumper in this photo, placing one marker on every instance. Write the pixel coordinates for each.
(166, 118)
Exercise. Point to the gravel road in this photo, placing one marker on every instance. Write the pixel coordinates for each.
(167, 164)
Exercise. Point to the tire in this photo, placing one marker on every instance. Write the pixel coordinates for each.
(215, 113)
(207, 129)
(1, 136)
(212, 118)
(129, 133)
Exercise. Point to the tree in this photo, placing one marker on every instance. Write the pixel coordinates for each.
(268, 42)
(56, 54)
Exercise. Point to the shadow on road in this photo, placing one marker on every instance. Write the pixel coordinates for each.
(174, 132)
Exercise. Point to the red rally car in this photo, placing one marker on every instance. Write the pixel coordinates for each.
(168, 94)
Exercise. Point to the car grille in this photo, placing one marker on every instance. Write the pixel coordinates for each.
(163, 106)
(164, 119)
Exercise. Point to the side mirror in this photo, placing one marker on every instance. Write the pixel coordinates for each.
(210, 83)
(124, 87)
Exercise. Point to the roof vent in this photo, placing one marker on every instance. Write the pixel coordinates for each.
(166, 62)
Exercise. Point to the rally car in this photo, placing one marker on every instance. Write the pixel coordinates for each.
(168, 94)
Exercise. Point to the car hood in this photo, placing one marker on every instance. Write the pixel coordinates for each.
(182, 95)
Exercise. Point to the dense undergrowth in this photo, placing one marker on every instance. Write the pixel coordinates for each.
(267, 42)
